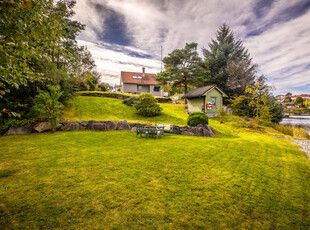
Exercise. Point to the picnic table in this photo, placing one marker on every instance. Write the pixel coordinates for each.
(148, 131)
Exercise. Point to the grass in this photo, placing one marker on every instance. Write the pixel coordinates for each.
(113, 180)
(97, 108)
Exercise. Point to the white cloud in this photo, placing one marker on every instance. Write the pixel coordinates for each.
(282, 50)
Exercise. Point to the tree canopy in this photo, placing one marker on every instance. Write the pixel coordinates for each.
(183, 68)
(229, 63)
(38, 47)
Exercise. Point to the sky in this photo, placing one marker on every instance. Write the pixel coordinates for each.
(126, 35)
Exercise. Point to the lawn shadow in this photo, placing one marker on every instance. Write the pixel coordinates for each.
(6, 173)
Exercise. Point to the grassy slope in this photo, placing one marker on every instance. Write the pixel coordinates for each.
(114, 180)
(97, 108)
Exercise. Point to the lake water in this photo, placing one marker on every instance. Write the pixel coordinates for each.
(297, 120)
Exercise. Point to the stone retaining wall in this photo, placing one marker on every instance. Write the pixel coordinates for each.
(121, 96)
(200, 130)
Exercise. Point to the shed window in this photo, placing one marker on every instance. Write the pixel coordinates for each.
(214, 101)
(156, 88)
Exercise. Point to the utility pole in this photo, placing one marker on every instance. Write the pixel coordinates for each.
(161, 58)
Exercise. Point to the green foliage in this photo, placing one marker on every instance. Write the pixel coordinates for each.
(130, 101)
(221, 114)
(275, 109)
(197, 118)
(102, 87)
(258, 97)
(183, 67)
(258, 103)
(48, 106)
(147, 105)
(287, 99)
(229, 63)
(240, 106)
(299, 101)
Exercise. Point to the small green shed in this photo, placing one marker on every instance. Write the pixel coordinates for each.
(208, 99)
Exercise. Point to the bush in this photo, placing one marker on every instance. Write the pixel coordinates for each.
(197, 118)
(130, 101)
(221, 114)
(102, 87)
(147, 105)
(292, 131)
(48, 106)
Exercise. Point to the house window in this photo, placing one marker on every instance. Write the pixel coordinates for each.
(137, 77)
(156, 88)
(214, 101)
(139, 86)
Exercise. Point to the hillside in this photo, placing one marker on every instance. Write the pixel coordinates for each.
(99, 108)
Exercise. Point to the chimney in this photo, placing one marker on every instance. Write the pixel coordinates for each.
(143, 71)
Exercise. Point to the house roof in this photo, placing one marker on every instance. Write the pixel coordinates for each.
(201, 91)
(147, 79)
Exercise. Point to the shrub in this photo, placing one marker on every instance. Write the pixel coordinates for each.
(221, 115)
(130, 101)
(292, 131)
(147, 105)
(197, 118)
(48, 106)
(102, 87)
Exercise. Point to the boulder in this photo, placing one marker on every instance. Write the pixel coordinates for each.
(123, 125)
(42, 127)
(72, 126)
(18, 131)
(99, 126)
(110, 125)
(187, 133)
(83, 123)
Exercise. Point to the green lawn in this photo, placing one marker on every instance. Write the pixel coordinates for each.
(113, 180)
(100, 108)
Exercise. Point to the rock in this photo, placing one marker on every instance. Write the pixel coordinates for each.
(83, 123)
(187, 133)
(89, 126)
(99, 126)
(123, 125)
(70, 127)
(42, 127)
(110, 125)
(133, 129)
(18, 131)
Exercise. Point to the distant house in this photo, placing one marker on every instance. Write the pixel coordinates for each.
(304, 96)
(208, 99)
(136, 83)
(288, 104)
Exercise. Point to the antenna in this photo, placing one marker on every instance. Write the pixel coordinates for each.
(161, 58)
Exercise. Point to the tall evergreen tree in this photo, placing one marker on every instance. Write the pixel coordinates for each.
(229, 63)
(183, 68)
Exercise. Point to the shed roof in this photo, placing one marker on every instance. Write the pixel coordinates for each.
(201, 91)
(147, 79)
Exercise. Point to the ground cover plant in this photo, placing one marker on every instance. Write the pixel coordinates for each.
(98, 108)
(236, 180)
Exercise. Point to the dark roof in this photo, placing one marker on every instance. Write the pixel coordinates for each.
(201, 91)
(147, 79)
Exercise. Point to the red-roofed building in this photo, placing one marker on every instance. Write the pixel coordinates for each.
(136, 83)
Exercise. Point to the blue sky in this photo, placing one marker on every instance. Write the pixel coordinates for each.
(125, 35)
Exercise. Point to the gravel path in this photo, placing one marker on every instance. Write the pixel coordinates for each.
(304, 146)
